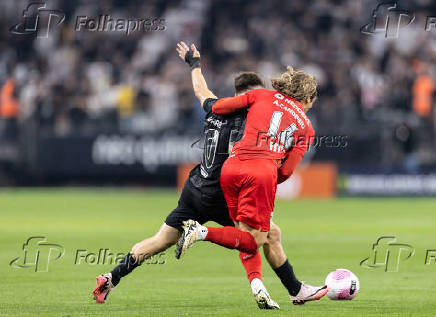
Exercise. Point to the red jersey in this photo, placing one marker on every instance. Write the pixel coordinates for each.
(276, 125)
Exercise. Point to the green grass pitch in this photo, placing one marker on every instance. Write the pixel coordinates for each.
(318, 237)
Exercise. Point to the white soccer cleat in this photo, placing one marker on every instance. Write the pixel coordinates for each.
(263, 300)
(192, 232)
(309, 293)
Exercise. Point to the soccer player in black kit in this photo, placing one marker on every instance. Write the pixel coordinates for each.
(202, 198)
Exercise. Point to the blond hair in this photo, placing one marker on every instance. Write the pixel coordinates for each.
(295, 84)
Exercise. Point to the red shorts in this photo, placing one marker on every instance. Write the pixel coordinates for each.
(249, 187)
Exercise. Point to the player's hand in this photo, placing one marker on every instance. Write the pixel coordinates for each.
(182, 49)
(196, 53)
(190, 55)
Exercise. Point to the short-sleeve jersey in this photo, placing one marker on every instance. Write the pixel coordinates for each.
(276, 124)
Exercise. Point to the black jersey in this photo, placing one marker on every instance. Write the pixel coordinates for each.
(220, 133)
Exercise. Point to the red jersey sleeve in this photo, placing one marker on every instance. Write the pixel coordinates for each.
(288, 167)
(233, 104)
(295, 156)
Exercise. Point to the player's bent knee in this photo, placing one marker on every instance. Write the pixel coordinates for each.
(167, 235)
(275, 234)
(261, 239)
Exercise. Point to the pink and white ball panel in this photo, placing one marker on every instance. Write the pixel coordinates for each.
(343, 284)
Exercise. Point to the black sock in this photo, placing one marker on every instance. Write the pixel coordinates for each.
(288, 278)
(127, 265)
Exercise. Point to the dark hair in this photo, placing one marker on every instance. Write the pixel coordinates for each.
(246, 81)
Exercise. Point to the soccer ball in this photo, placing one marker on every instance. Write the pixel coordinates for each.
(343, 284)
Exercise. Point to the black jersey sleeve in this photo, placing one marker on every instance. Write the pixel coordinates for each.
(208, 103)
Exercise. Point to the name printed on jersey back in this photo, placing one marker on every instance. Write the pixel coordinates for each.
(296, 116)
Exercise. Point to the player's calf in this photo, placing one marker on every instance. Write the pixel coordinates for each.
(278, 261)
(273, 249)
(166, 237)
(228, 237)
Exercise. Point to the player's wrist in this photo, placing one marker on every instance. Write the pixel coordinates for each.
(196, 64)
(193, 62)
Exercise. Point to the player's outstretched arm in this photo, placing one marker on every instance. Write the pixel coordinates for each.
(192, 57)
(231, 104)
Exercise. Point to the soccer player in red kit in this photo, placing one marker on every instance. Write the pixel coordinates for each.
(277, 135)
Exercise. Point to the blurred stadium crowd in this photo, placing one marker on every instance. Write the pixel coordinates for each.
(75, 83)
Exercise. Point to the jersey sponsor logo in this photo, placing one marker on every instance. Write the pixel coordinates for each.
(216, 122)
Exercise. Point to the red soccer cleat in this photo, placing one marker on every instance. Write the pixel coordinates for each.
(104, 286)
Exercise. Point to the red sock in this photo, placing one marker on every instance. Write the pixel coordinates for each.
(232, 238)
(252, 264)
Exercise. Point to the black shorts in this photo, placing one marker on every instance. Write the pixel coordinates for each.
(199, 206)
